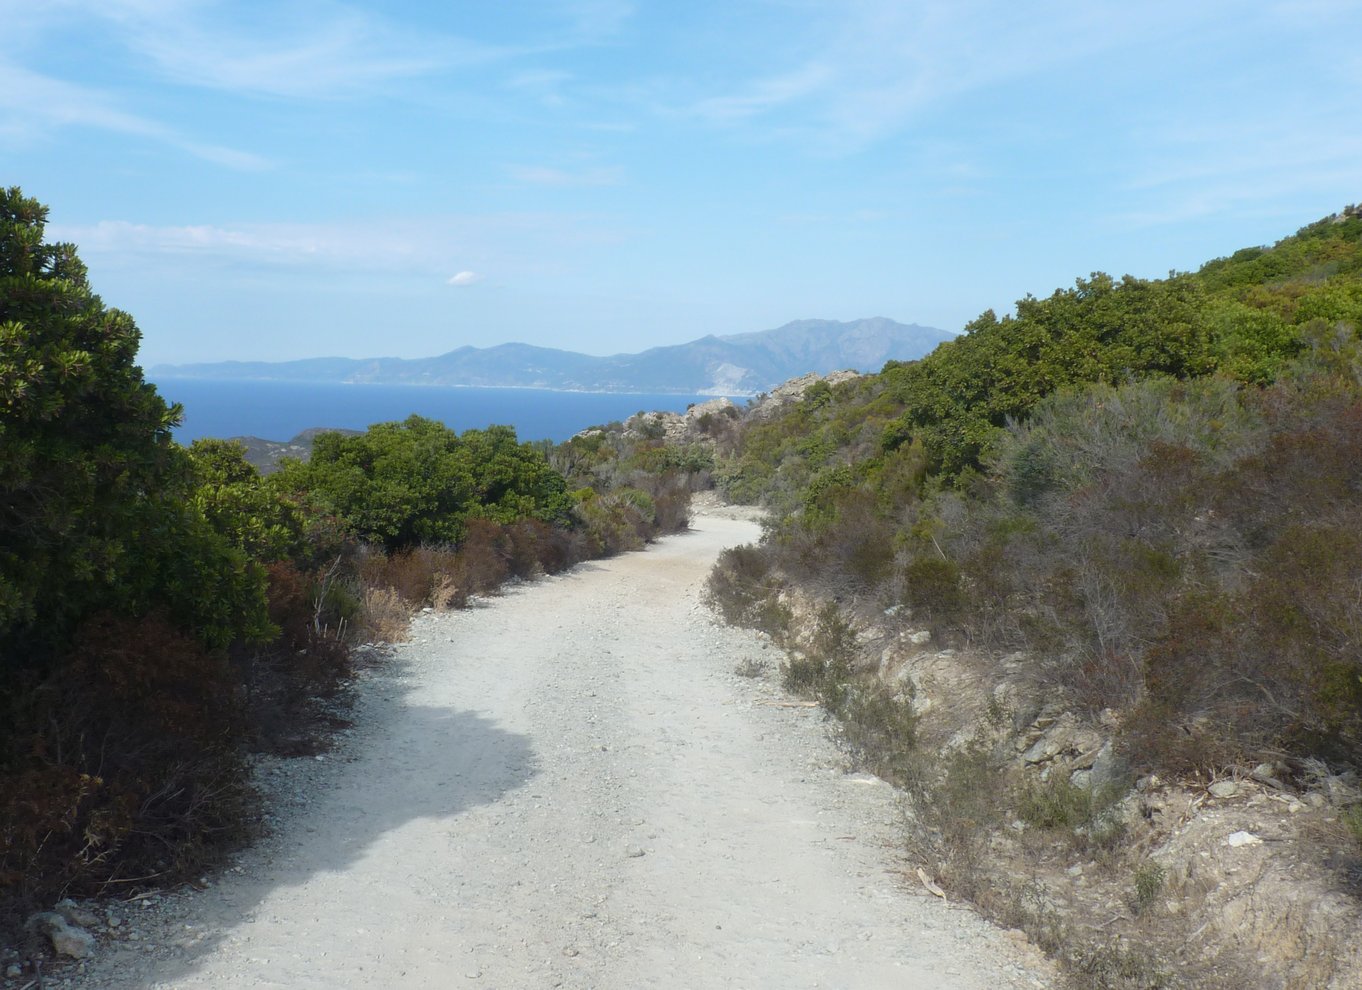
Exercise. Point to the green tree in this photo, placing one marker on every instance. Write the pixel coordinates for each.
(417, 481)
(252, 515)
(93, 491)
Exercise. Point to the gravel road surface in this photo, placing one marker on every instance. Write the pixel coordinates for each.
(571, 786)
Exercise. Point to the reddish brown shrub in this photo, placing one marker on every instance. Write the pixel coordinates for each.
(124, 764)
(484, 555)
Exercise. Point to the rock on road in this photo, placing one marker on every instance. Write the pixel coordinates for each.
(570, 786)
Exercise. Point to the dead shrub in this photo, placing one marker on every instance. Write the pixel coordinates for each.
(384, 616)
(484, 557)
(123, 767)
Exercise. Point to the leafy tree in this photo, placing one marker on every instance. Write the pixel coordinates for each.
(252, 515)
(418, 481)
(93, 491)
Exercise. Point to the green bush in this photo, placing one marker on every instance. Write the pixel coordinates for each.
(417, 481)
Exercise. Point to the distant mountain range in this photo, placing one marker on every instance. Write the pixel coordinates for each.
(741, 364)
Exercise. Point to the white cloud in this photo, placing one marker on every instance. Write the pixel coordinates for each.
(464, 278)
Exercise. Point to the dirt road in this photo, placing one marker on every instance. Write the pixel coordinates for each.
(570, 786)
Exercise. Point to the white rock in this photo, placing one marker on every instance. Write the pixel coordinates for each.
(1237, 839)
(67, 939)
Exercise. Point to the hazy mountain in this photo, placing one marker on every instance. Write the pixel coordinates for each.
(741, 364)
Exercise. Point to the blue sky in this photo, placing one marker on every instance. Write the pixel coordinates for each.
(270, 180)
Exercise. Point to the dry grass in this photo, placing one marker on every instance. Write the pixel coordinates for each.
(384, 615)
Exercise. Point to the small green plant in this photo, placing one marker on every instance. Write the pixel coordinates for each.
(958, 800)
(1088, 813)
(879, 728)
(751, 667)
(1055, 803)
(1352, 821)
(824, 671)
(1149, 881)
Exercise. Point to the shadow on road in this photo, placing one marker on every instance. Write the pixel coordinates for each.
(415, 762)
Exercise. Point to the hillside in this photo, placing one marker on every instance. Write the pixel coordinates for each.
(1083, 582)
(742, 364)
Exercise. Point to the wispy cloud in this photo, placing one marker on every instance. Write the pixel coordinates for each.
(868, 67)
(425, 246)
(32, 104)
(1193, 169)
(315, 50)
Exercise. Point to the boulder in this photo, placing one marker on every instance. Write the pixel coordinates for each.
(67, 939)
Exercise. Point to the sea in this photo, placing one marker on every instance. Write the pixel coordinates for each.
(274, 410)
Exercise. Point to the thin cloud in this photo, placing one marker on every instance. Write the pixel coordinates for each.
(32, 105)
(867, 68)
(427, 246)
(334, 50)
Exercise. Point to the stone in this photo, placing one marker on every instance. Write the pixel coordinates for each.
(634, 852)
(67, 939)
(13, 971)
(1107, 767)
(1237, 839)
(77, 915)
(1052, 742)
(1342, 790)
(1266, 773)
(1223, 789)
(921, 637)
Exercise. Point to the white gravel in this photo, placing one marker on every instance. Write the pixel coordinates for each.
(570, 786)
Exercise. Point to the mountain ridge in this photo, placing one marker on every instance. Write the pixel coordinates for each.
(735, 364)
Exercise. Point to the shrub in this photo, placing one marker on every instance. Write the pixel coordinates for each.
(932, 589)
(1147, 886)
(743, 589)
(958, 799)
(124, 768)
(879, 729)
(1088, 814)
(417, 481)
(384, 616)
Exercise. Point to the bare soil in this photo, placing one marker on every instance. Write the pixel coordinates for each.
(571, 785)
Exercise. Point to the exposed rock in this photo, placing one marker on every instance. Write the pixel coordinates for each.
(1223, 789)
(1056, 738)
(1236, 839)
(77, 915)
(1341, 790)
(793, 390)
(67, 939)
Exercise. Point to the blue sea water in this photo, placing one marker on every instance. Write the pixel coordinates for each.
(281, 410)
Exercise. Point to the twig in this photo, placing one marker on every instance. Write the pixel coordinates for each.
(932, 888)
